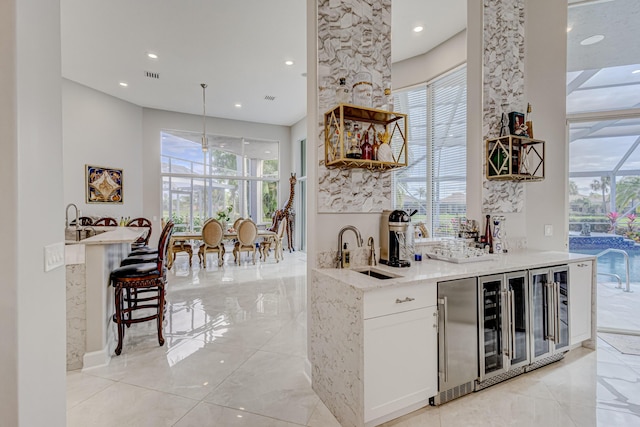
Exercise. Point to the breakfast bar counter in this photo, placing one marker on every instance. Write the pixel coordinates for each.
(90, 331)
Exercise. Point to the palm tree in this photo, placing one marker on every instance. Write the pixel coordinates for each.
(627, 192)
(573, 188)
(602, 186)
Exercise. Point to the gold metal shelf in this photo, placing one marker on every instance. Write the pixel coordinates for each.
(514, 158)
(393, 125)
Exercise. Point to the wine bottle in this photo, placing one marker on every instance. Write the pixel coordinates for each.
(488, 237)
(367, 148)
(374, 148)
(354, 151)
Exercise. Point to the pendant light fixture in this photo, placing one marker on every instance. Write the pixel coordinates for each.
(205, 142)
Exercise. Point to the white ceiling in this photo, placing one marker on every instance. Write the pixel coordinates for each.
(237, 47)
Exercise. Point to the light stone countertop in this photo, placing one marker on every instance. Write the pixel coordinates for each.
(116, 235)
(435, 271)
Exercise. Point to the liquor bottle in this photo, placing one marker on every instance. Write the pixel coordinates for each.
(488, 238)
(343, 96)
(367, 148)
(374, 148)
(528, 122)
(354, 151)
(337, 154)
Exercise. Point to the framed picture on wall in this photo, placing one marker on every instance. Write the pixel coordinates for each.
(103, 184)
(516, 123)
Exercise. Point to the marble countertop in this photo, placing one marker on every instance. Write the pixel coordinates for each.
(116, 235)
(434, 271)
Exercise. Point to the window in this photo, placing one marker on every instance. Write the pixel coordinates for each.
(434, 183)
(237, 173)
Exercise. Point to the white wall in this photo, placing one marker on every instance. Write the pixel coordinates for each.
(101, 130)
(420, 69)
(545, 88)
(32, 307)
(154, 121)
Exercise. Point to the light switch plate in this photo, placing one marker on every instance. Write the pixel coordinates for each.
(53, 256)
(548, 230)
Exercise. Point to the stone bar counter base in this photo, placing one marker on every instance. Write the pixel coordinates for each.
(90, 330)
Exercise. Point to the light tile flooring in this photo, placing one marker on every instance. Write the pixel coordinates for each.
(235, 352)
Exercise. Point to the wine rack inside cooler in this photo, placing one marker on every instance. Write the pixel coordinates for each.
(492, 326)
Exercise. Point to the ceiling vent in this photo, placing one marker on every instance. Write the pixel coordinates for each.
(152, 75)
(269, 98)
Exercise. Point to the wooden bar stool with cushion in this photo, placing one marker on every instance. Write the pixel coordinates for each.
(247, 234)
(212, 235)
(106, 221)
(143, 241)
(137, 281)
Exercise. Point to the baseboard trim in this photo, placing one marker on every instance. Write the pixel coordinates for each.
(96, 359)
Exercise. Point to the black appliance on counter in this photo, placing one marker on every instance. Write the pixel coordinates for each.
(393, 238)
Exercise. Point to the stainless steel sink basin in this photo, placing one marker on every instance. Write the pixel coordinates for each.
(378, 274)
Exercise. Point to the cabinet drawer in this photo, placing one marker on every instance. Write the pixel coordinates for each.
(398, 299)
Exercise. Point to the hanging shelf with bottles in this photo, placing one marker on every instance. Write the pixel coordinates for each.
(514, 158)
(388, 129)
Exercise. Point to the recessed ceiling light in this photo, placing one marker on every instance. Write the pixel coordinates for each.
(238, 105)
(246, 143)
(635, 72)
(592, 40)
(417, 29)
(152, 55)
(569, 29)
(221, 145)
(288, 62)
(267, 152)
(124, 84)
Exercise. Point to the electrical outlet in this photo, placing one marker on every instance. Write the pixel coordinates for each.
(53, 256)
(548, 230)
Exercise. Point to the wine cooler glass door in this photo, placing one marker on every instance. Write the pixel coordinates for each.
(518, 301)
(492, 333)
(541, 311)
(562, 317)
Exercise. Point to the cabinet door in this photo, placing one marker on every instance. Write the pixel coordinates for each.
(400, 361)
(580, 283)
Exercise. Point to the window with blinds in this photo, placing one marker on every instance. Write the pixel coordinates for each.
(434, 183)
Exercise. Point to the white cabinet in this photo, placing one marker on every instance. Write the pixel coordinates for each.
(400, 351)
(580, 282)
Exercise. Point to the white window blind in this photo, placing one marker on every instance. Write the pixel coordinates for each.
(434, 183)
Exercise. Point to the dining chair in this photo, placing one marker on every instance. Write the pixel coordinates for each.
(181, 246)
(106, 221)
(276, 241)
(247, 234)
(212, 235)
(237, 222)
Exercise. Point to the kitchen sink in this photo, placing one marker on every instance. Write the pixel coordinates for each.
(382, 275)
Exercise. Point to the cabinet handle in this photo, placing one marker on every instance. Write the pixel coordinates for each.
(512, 312)
(407, 299)
(445, 356)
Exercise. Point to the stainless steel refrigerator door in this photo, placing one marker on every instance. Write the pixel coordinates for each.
(518, 295)
(561, 280)
(457, 333)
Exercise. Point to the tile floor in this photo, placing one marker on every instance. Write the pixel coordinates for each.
(234, 356)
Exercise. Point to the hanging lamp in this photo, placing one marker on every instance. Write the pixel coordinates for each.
(205, 142)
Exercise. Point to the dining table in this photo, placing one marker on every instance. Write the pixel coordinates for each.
(180, 236)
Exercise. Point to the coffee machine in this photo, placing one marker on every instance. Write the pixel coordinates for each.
(393, 238)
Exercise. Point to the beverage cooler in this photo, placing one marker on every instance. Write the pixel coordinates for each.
(503, 338)
(550, 312)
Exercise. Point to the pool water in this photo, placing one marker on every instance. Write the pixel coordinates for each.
(613, 263)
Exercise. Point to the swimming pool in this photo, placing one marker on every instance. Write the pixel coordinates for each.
(613, 263)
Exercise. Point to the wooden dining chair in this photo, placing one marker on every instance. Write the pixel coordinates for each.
(212, 235)
(247, 234)
(276, 241)
(106, 221)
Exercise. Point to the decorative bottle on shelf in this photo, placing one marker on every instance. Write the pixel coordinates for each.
(367, 148)
(343, 95)
(362, 89)
(488, 238)
(529, 122)
(374, 148)
(354, 151)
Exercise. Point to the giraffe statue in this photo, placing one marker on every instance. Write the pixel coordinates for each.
(287, 214)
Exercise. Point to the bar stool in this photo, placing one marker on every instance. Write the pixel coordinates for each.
(140, 280)
(143, 241)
